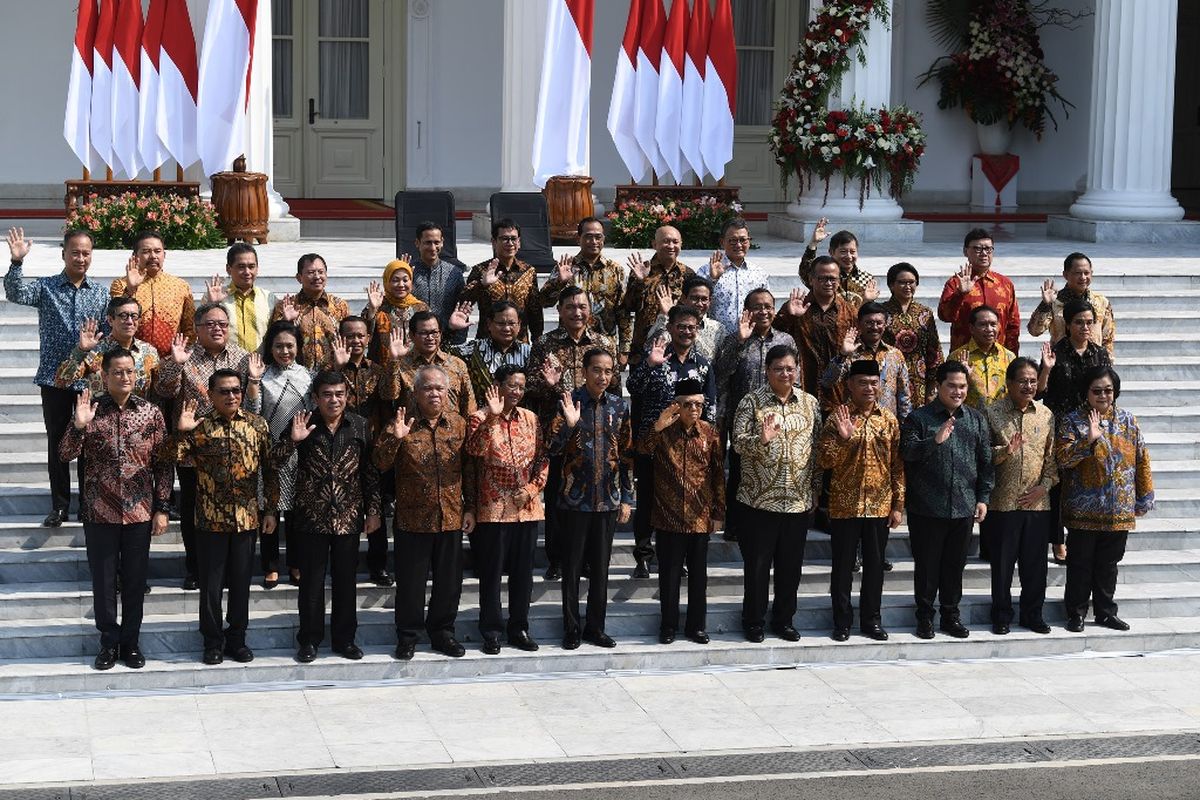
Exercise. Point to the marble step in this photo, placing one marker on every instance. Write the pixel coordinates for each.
(178, 633)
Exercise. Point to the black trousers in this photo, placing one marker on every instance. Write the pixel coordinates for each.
(187, 516)
(939, 549)
(553, 524)
(643, 472)
(225, 559)
(1092, 558)
(338, 553)
(495, 546)
(1018, 539)
(772, 538)
(1057, 532)
(674, 550)
(377, 549)
(58, 409)
(294, 552)
(586, 534)
(844, 537)
(118, 550)
(734, 510)
(416, 553)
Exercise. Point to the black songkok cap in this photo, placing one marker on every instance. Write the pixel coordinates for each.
(688, 386)
(864, 366)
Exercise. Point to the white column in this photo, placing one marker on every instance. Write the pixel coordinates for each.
(419, 94)
(1131, 117)
(260, 119)
(524, 42)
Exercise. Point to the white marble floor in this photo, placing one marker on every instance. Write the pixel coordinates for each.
(381, 726)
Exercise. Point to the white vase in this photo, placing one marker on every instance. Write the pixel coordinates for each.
(994, 140)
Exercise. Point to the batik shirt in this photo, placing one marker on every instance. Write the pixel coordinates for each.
(946, 480)
(985, 372)
(402, 375)
(518, 284)
(990, 289)
(62, 309)
(781, 475)
(689, 477)
(283, 392)
(382, 322)
(604, 281)
(742, 368)
(125, 482)
(189, 380)
(435, 484)
(363, 393)
(1105, 484)
(337, 485)
(709, 336)
(249, 315)
(509, 457)
(819, 334)
(318, 321)
(86, 365)
(439, 286)
(1032, 465)
(1064, 388)
(230, 455)
(483, 357)
(894, 384)
(641, 298)
(867, 473)
(167, 309)
(1049, 316)
(654, 387)
(852, 284)
(597, 454)
(730, 290)
(558, 348)
(914, 333)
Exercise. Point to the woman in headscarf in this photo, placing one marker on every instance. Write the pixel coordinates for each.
(390, 306)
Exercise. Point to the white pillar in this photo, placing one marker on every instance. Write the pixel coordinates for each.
(524, 43)
(1131, 118)
(260, 119)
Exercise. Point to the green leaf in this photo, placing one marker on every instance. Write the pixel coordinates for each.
(948, 22)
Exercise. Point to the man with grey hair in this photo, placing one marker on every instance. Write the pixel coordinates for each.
(435, 499)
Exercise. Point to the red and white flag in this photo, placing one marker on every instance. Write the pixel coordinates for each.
(560, 136)
(126, 69)
(622, 107)
(224, 83)
(693, 87)
(177, 84)
(650, 37)
(720, 92)
(154, 153)
(670, 88)
(79, 90)
(100, 121)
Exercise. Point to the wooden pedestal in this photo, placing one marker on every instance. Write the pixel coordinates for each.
(241, 202)
(569, 199)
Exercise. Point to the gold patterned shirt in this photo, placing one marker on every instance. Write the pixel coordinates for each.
(559, 349)
(1032, 465)
(641, 299)
(867, 473)
(318, 321)
(689, 477)
(604, 281)
(518, 284)
(401, 375)
(435, 483)
(86, 365)
(985, 372)
(1050, 317)
(782, 474)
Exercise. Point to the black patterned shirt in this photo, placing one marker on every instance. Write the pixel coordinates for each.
(337, 484)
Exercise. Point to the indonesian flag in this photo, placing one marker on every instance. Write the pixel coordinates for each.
(149, 144)
(79, 90)
(126, 68)
(670, 88)
(650, 38)
(622, 107)
(177, 84)
(693, 87)
(560, 137)
(720, 92)
(100, 122)
(224, 83)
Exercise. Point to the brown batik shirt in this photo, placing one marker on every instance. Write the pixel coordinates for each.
(435, 483)
(517, 284)
(867, 478)
(689, 477)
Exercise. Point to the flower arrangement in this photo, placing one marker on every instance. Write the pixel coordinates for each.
(998, 73)
(186, 223)
(862, 145)
(699, 220)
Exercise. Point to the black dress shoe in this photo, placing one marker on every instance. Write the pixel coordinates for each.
(491, 646)
(598, 638)
(666, 636)
(405, 651)
(190, 582)
(351, 652)
(523, 641)
(787, 633)
(449, 646)
(294, 580)
(887, 565)
(132, 656)
(147, 591)
(240, 654)
(270, 583)
(1037, 626)
(306, 654)
(55, 519)
(955, 628)
(924, 629)
(1113, 622)
(875, 632)
(755, 634)
(105, 658)
(1075, 624)
(571, 640)
(840, 634)
(213, 655)
(383, 579)
(642, 570)
(553, 573)
(699, 637)
(1000, 628)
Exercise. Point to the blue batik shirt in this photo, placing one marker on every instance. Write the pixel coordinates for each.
(62, 309)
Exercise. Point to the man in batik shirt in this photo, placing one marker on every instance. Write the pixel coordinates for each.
(165, 300)
(505, 277)
(985, 358)
(977, 284)
(314, 311)
(85, 360)
(642, 296)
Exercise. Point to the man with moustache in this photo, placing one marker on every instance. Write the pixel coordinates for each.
(866, 342)
(165, 299)
(641, 297)
(249, 306)
(501, 348)
(1077, 271)
(85, 360)
(506, 277)
(985, 358)
(420, 348)
(977, 284)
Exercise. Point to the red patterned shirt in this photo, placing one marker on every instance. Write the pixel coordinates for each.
(990, 289)
(509, 457)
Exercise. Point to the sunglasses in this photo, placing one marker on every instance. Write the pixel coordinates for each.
(230, 391)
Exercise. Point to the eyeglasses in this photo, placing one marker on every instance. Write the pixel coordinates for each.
(983, 250)
(1102, 392)
(212, 324)
(230, 391)
(691, 403)
(826, 279)
(428, 334)
(739, 240)
(509, 239)
(1032, 382)
(685, 328)
(128, 316)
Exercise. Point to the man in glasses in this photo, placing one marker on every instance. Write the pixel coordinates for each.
(165, 299)
(86, 358)
(505, 277)
(184, 378)
(732, 275)
(819, 322)
(977, 284)
(421, 348)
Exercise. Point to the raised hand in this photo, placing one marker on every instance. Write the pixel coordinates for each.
(290, 312)
(944, 432)
(842, 421)
(849, 342)
(495, 403)
(871, 291)
(658, 353)
(637, 267)
(819, 233)
(340, 351)
(133, 274)
(771, 427)
(798, 302)
(255, 367)
(1014, 444)
(85, 412)
(1048, 293)
(716, 266)
(745, 326)
(181, 351)
(398, 343)
(374, 296)
(18, 245)
(300, 427)
(401, 425)
(214, 290)
(187, 417)
(489, 272)
(460, 318)
(1049, 359)
(566, 269)
(551, 373)
(1094, 429)
(570, 411)
(89, 335)
(663, 295)
(966, 281)
(667, 417)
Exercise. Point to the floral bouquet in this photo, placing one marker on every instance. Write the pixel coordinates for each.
(186, 223)
(699, 220)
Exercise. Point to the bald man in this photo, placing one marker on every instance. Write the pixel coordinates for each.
(663, 272)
